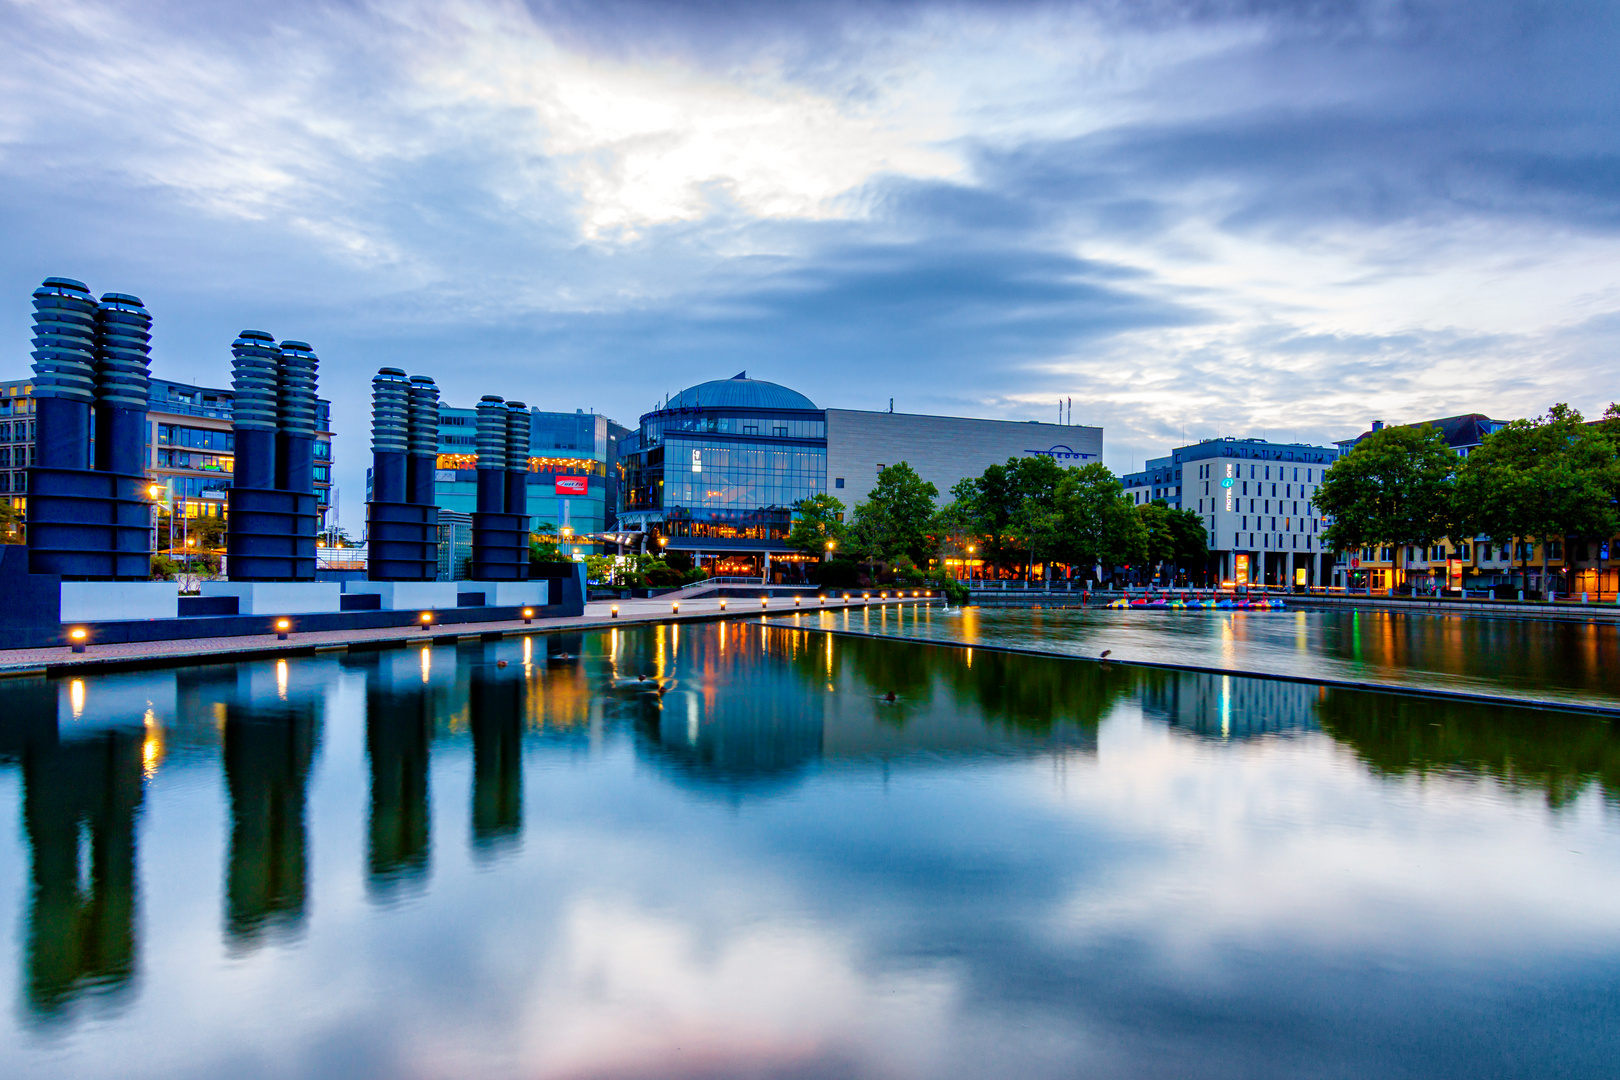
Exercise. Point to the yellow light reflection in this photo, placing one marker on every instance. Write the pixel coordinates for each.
(76, 697)
(281, 679)
(427, 662)
(528, 653)
(151, 745)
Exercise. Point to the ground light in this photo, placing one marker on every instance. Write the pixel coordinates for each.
(528, 615)
(795, 601)
(764, 601)
(675, 608)
(615, 611)
(78, 635)
(427, 620)
(722, 603)
(282, 626)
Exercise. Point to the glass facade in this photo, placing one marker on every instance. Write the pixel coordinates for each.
(724, 477)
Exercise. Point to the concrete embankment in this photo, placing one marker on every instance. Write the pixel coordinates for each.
(599, 615)
(1572, 610)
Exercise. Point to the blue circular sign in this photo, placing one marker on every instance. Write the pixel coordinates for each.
(1227, 482)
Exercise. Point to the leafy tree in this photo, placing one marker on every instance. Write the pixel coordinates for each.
(543, 551)
(816, 521)
(1189, 538)
(1539, 479)
(1161, 542)
(895, 517)
(1394, 487)
(208, 532)
(1099, 524)
(986, 505)
(1035, 520)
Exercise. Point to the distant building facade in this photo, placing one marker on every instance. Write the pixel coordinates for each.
(190, 447)
(573, 473)
(1255, 499)
(717, 471)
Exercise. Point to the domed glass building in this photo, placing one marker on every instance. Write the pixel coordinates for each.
(716, 472)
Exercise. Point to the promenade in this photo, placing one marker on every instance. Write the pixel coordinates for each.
(599, 615)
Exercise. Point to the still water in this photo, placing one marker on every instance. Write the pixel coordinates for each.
(518, 859)
(1574, 662)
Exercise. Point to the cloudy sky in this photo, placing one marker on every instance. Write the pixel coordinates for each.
(1207, 217)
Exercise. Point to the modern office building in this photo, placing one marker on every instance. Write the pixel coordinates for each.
(717, 471)
(190, 449)
(573, 472)
(1254, 497)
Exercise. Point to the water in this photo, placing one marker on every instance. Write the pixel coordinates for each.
(420, 863)
(1573, 662)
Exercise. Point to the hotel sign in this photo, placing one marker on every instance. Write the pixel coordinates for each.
(572, 485)
(1062, 453)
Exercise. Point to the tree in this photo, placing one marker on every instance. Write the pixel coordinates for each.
(1161, 542)
(895, 517)
(1035, 520)
(1539, 479)
(1099, 525)
(1394, 487)
(1189, 538)
(818, 521)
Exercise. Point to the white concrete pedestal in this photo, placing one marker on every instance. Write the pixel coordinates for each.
(407, 595)
(507, 593)
(279, 597)
(109, 601)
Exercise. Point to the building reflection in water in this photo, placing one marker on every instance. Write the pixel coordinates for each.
(401, 704)
(81, 794)
(268, 751)
(1229, 706)
(495, 714)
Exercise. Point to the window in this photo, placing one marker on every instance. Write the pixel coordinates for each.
(881, 466)
(839, 482)
(750, 429)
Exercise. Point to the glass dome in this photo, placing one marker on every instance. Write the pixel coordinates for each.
(740, 392)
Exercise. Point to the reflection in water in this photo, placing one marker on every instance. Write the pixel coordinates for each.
(400, 714)
(1229, 706)
(1549, 660)
(496, 707)
(268, 751)
(824, 855)
(1557, 754)
(81, 796)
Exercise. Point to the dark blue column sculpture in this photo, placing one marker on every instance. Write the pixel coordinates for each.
(272, 501)
(500, 540)
(89, 360)
(402, 517)
(517, 459)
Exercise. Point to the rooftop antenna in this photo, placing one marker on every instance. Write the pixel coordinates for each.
(891, 405)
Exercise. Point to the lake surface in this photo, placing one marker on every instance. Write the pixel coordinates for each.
(1574, 662)
(421, 863)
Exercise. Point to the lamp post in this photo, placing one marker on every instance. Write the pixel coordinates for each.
(830, 545)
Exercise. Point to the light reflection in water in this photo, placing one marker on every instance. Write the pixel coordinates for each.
(819, 880)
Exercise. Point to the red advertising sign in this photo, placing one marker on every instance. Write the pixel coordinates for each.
(571, 485)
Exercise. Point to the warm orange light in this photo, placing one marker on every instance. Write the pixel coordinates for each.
(675, 608)
(970, 549)
(78, 633)
(722, 603)
(153, 492)
(831, 544)
(763, 601)
(282, 624)
(528, 613)
(615, 611)
(866, 596)
(427, 616)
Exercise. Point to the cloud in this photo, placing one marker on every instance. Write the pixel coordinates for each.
(1234, 215)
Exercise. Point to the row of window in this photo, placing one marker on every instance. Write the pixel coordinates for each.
(1274, 542)
(1263, 472)
(1263, 508)
(21, 457)
(17, 431)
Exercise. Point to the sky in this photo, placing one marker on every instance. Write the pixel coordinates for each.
(1195, 219)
